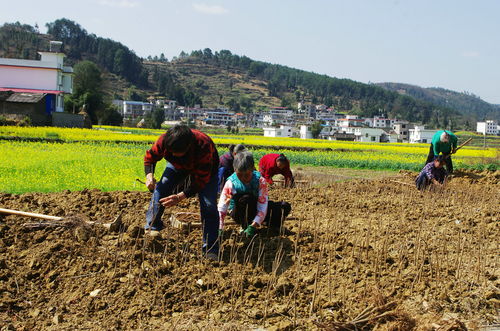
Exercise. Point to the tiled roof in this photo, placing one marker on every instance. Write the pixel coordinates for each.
(25, 97)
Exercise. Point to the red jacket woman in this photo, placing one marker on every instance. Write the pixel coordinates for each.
(274, 164)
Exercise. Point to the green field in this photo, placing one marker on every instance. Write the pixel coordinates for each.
(94, 159)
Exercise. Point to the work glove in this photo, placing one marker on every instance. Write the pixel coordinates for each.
(249, 231)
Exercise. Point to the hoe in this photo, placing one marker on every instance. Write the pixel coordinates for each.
(60, 221)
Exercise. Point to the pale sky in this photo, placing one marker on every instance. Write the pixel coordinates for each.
(454, 44)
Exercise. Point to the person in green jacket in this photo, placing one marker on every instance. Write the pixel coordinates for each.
(444, 142)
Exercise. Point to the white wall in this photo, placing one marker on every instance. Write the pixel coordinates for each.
(419, 135)
(488, 127)
(29, 78)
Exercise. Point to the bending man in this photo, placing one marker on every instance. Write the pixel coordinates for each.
(191, 153)
(432, 174)
(444, 142)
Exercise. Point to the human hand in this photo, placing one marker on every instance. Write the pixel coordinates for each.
(150, 182)
(172, 200)
(249, 231)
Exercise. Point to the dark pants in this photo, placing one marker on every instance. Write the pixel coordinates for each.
(245, 209)
(169, 181)
(223, 175)
(422, 182)
(449, 163)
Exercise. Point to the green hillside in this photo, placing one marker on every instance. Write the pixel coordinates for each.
(238, 82)
(467, 103)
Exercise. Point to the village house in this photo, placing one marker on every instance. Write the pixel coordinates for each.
(219, 117)
(305, 132)
(402, 130)
(420, 135)
(362, 134)
(282, 131)
(382, 122)
(487, 127)
(36, 88)
(278, 116)
(131, 110)
(307, 108)
(349, 121)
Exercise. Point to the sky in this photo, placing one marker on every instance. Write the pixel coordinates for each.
(453, 44)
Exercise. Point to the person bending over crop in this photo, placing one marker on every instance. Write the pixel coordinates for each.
(444, 142)
(432, 174)
(226, 168)
(191, 153)
(245, 198)
(273, 164)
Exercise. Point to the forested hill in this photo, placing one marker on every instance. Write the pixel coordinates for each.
(202, 70)
(215, 78)
(466, 103)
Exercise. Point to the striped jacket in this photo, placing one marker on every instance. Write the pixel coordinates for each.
(201, 160)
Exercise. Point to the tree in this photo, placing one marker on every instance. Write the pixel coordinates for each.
(110, 115)
(154, 119)
(316, 129)
(87, 90)
(87, 78)
(207, 53)
(133, 94)
(120, 62)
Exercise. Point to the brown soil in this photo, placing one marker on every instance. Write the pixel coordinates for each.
(376, 253)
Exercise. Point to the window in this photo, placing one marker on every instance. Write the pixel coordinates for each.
(373, 138)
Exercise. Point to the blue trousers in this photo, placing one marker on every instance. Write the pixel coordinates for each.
(223, 174)
(170, 179)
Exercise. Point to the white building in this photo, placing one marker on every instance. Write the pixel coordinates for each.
(278, 116)
(282, 131)
(488, 127)
(370, 135)
(189, 113)
(402, 130)
(349, 121)
(382, 122)
(218, 117)
(170, 109)
(133, 109)
(328, 116)
(305, 133)
(366, 134)
(47, 76)
(420, 135)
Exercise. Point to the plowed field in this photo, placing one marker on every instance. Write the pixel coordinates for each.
(370, 254)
